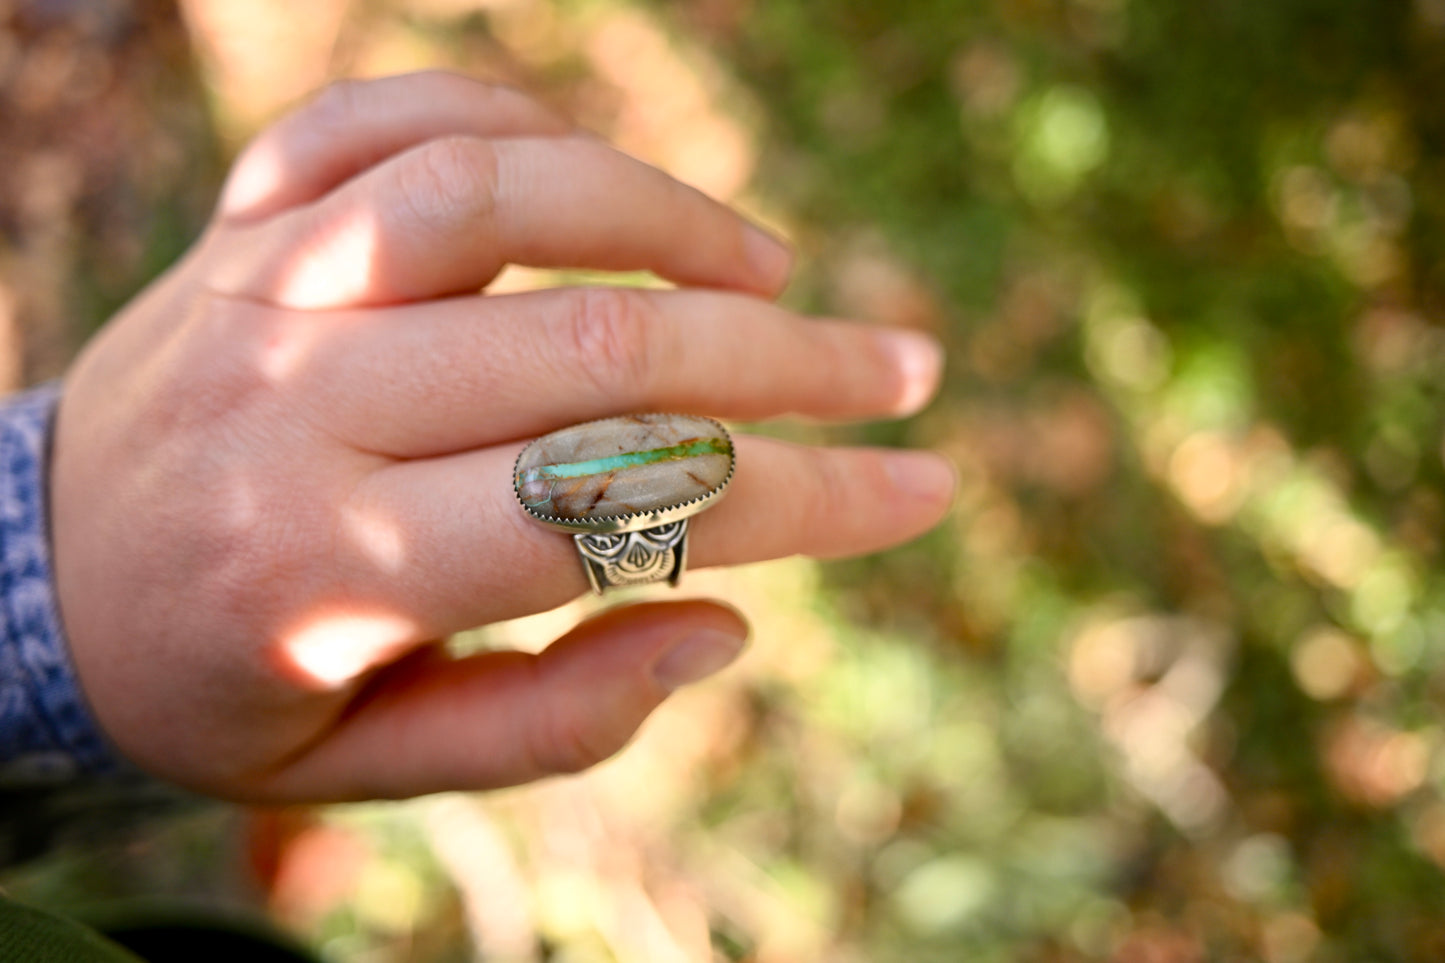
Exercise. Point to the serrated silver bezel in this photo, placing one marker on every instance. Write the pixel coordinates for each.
(632, 521)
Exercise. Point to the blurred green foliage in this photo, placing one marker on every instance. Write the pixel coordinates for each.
(1169, 687)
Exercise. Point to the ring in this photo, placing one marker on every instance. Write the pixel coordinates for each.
(625, 488)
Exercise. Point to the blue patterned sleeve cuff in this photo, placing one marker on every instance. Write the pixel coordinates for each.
(47, 733)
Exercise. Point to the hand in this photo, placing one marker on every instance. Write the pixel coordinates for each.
(284, 471)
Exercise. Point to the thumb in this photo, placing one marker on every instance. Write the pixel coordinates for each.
(432, 723)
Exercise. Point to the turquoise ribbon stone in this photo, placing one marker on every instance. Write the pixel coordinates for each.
(614, 468)
(627, 459)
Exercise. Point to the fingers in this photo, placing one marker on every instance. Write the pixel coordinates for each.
(503, 718)
(457, 529)
(451, 375)
(352, 125)
(444, 217)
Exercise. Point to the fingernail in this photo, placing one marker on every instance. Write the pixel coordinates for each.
(920, 474)
(770, 259)
(918, 358)
(696, 657)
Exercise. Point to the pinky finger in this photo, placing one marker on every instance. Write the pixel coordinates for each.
(503, 718)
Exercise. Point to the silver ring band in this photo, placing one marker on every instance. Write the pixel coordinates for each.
(619, 559)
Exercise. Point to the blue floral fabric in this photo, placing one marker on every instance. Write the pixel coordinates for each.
(47, 733)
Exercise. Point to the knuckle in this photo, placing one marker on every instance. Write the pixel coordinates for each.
(449, 180)
(614, 338)
(222, 353)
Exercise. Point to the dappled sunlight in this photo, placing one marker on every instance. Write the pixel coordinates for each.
(380, 540)
(1124, 348)
(337, 266)
(284, 352)
(1376, 765)
(1206, 472)
(331, 651)
(1328, 663)
(1062, 137)
(1155, 681)
(1286, 499)
(877, 286)
(255, 181)
(670, 104)
(1353, 206)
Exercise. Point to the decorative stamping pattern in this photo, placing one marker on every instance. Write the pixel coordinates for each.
(47, 733)
(635, 558)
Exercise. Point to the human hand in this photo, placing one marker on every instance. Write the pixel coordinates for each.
(284, 471)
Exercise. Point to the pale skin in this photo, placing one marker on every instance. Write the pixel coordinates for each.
(283, 472)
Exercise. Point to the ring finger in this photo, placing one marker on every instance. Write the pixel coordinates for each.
(446, 376)
(471, 557)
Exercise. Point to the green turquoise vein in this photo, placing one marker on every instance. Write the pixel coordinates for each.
(629, 459)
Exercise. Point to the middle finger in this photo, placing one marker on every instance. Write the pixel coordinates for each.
(446, 376)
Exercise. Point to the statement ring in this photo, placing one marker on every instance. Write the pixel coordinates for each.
(625, 488)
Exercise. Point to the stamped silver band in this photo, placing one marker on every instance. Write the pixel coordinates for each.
(617, 559)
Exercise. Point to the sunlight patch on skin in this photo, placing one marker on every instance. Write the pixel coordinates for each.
(283, 353)
(332, 651)
(336, 268)
(380, 538)
(253, 182)
(288, 347)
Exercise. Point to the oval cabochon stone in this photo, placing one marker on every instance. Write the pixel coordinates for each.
(629, 465)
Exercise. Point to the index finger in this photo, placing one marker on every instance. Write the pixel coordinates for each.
(443, 218)
(353, 124)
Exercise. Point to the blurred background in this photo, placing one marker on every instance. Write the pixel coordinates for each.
(1168, 686)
